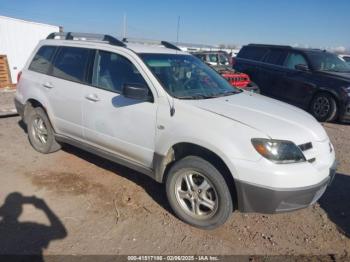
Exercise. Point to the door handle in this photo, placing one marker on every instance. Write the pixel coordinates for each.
(48, 85)
(92, 97)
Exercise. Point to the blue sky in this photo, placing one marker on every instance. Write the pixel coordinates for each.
(307, 23)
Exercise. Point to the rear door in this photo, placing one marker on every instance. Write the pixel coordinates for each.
(249, 61)
(271, 73)
(123, 126)
(298, 85)
(64, 87)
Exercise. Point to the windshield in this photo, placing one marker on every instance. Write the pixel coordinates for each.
(323, 61)
(187, 77)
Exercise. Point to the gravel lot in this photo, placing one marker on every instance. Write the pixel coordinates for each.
(97, 207)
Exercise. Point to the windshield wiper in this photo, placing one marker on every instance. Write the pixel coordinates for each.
(233, 92)
(193, 97)
(201, 96)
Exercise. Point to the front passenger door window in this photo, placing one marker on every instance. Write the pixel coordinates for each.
(112, 71)
(294, 59)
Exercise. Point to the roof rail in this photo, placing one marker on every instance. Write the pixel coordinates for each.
(267, 45)
(170, 45)
(86, 37)
(152, 42)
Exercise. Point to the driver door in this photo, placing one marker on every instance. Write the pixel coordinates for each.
(126, 127)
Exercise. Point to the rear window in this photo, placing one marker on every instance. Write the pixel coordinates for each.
(252, 52)
(42, 59)
(275, 57)
(71, 63)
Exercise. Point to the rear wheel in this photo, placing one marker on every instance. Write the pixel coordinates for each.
(324, 107)
(40, 131)
(198, 193)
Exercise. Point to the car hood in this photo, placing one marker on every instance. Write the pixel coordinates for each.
(275, 119)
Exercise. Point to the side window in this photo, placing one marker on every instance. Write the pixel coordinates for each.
(256, 53)
(223, 59)
(275, 57)
(213, 58)
(113, 71)
(294, 59)
(70, 63)
(42, 59)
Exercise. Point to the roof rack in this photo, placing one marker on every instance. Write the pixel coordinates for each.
(267, 45)
(86, 37)
(152, 42)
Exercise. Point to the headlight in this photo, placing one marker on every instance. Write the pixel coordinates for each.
(278, 151)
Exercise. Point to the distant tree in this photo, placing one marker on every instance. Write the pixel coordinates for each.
(228, 46)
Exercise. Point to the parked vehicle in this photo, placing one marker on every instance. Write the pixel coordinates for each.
(346, 58)
(222, 63)
(166, 114)
(315, 80)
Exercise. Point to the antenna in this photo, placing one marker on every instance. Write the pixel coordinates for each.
(125, 26)
(178, 30)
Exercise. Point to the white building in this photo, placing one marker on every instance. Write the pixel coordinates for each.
(18, 38)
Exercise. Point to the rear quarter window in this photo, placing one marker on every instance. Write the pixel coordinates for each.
(42, 60)
(275, 57)
(255, 53)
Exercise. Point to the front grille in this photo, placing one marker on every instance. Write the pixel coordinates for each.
(312, 160)
(305, 146)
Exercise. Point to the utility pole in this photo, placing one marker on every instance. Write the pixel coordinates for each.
(125, 26)
(178, 30)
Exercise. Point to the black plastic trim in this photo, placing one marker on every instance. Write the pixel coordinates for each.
(19, 107)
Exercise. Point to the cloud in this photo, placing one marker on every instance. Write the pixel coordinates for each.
(339, 49)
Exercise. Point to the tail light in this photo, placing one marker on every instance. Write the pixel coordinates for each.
(19, 76)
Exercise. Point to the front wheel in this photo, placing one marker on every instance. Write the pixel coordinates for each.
(324, 107)
(198, 193)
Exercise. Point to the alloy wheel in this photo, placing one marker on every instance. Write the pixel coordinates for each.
(321, 106)
(39, 130)
(196, 195)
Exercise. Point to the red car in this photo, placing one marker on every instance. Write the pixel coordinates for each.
(222, 63)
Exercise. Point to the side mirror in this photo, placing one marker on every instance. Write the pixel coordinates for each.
(302, 67)
(136, 91)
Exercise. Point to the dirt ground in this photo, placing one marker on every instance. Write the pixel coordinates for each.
(7, 106)
(72, 202)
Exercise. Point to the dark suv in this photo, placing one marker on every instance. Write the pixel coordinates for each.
(313, 79)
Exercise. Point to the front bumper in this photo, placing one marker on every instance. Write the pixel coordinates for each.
(253, 198)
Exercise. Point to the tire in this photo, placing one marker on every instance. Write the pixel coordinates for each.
(324, 107)
(40, 132)
(214, 198)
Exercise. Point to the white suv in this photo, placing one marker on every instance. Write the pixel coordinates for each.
(166, 114)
